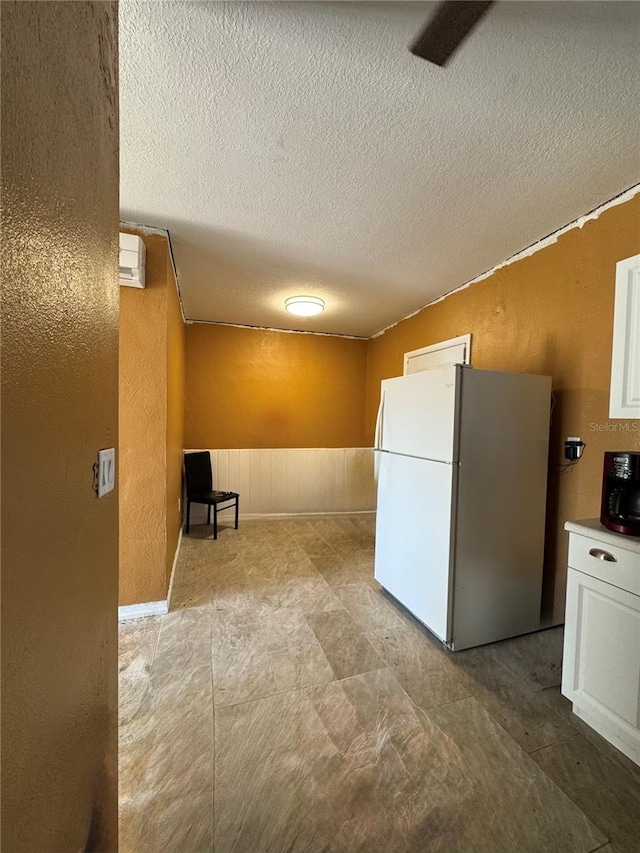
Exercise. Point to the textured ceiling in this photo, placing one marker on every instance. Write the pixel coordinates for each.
(299, 147)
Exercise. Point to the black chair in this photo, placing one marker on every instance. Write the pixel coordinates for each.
(199, 483)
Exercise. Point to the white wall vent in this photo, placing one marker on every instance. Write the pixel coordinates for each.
(132, 260)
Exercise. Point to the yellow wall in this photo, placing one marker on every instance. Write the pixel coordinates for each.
(255, 388)
(151, 427)
(551, 313)
(59, 407)
(143, 431)
(175, 418)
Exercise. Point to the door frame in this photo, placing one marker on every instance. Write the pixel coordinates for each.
(452, 343)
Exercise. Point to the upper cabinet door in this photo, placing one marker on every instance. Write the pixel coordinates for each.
(624, 398)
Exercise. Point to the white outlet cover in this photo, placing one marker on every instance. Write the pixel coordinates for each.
(106, 471)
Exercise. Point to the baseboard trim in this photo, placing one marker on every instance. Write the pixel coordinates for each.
(152, 608)
(173, 570)
(137, 611)
(247, 516)
(309, 514)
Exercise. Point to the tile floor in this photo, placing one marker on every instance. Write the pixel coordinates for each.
(288, 705)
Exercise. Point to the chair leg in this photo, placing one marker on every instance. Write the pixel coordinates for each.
(215, 522)
(237, 502)
(188, 514)
(208, 513)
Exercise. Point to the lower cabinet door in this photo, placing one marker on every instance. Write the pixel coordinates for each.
(601, 666)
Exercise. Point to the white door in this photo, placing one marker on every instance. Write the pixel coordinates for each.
(453, 351)
(413, 536)
(418, 414)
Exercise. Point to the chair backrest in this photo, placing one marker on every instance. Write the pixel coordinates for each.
(197, 471)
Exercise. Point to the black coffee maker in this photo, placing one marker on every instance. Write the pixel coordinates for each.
(620, 508)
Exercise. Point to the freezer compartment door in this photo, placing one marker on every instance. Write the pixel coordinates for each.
(418, 414)
(413, 536)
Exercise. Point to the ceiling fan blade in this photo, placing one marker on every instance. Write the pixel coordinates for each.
(451, 24)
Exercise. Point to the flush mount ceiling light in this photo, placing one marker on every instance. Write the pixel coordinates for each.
(304, 306)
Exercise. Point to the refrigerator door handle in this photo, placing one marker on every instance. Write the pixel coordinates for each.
(377, 444)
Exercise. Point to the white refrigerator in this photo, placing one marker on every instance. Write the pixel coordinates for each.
(461, 458)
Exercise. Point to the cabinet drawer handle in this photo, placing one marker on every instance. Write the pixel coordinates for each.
(599, 554)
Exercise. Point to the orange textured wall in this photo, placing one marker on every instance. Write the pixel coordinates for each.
(175, 417)
(59, 407)
(255, 388)
(151, 427)
(143, 431)
(550, 313)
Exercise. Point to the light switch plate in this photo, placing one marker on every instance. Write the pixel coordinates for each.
(106, 471)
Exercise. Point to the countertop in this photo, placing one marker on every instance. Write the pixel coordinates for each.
(591, 527)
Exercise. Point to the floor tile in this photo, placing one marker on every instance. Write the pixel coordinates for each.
(188, 595)
(168, 743)
(536, 657)
(345, 646)
(494, 795)
(340, 724)
(354, 766)
(285, 627)
(300, 666)
(580, 769)
(233, 613)
(428, 674)
(167, 822)
(137, 645)
(241, 667)
(312, 542)
(332, 568)
(342, 569)
(270, 769)
(137, 641)
(367, 607)
(513, 702)
(563, 708)
(185, 639)
(310, 594)
(166, 759)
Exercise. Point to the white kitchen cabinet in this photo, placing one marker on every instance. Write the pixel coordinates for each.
(624, 397)
(601, 661)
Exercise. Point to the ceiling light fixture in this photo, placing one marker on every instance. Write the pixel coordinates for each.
(304, 306)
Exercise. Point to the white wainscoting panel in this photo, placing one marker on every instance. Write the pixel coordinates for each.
(295, 480)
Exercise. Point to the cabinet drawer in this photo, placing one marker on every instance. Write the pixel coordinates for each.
(623, 573)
